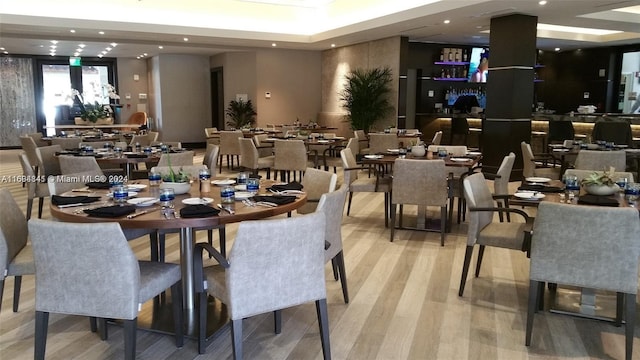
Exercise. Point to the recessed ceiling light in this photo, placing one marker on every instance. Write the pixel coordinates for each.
(52, 54)
(333, 45)
(114, 44)
(103, 52)
(447, 21)
(274, 44)
(185, 39)
(108, 49)
(72, 31)
(41, 45)
(543, 2)
(76, 54)
(557, 49)
(78, 50)
(160, 47)
(100, 55)
(101, 32)
(81, 46)
(6, 52)
(54, 41)
(53, 46)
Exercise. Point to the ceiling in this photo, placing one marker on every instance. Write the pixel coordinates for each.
(143, 26)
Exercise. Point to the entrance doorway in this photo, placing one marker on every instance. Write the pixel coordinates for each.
(217, 98)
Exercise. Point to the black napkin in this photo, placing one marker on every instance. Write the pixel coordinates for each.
(98, 185)
(197, 211)
(66, 200)
(136, 156)
(294, 185)
(542, 188)
(275, 199)
(597, 200)
(111, 211)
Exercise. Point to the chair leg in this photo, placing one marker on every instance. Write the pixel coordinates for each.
(619, 309)
(29, 208)
(236, 338)
(323, 322)
(40, 205)
(223, 241)
(334, 267)
(103, 330)
(479, 262)
(93, 324)
(630, 315)
(343, 276)
(277, 321)
(176, 299)
(534, 289)
(401, 216)
(1, 292)
(500, 214)
(459, 209)
(443, 224)
(393, 222)
(465, 268)
(130, 328)
(161, 247)
(42, 322)
(202, 322)
(17, 283)
(153, 245)
(387, 202)
(349, 204)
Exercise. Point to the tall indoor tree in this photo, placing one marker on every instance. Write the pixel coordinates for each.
(366, 96)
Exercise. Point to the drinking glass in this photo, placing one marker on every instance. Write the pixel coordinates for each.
(154, 178)
(242, 178)
(402, 152)
(120, 194)
(572, 186)
(117, 151)
(167, 195)
(442, 152)
(253, 185)
(622, 183)
(632, 192)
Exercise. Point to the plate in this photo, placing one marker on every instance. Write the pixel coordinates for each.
(197, 201)
(474, 153)
(223, 182)
(143, 201)
(241, 187)
(241, 195)
(561, 150)
(395, 151)
(136, 187)
(529, 195)
(131, 194)
(323, 141)
(460, 159)
(538, 179)
(373, 156)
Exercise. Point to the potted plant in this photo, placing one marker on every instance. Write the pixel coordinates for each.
(180, 182)
(96, 113)
(600, 183)
(241, 114)
(366, 97)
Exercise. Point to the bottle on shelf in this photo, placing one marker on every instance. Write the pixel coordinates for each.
(458, 55)
(450, 55)
(442, 55)
(464, 55)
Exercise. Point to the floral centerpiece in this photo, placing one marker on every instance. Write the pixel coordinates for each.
(179, 181)
(600, 183)
(96, 111)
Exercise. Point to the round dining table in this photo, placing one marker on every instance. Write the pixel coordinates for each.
(151, 217)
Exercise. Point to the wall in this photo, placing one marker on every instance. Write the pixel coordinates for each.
(336, 63)
(239, 74)
(127, 68)
(16, 100)
(181, 96)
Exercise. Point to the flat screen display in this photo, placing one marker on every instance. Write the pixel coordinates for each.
(478, 65)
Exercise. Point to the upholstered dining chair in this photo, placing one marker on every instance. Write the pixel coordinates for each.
(379, 143)
(67, 143)
(534, 165)
(316, 182)
(422, 183)
(48, 163)
(250, 158)
(230, 146)
(437, 138)
(38, 139)
(618, 132)
(138, 118)
(73, 164)
(152, 136)
(258, 279)
(35, 189)
(453, 150)
(601, 160)
(581, 174)
(599, 250)
(184, 158)
(90, 270)
(16, 257)
(29, 146)
(456, 174)
(264, 148)
(210, 158)
(290, 156)
(142, 139)
(483, 230)
(363, 142)
(332, 205)
(559, 131)
(358, 182)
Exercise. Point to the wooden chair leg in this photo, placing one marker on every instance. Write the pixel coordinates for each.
(93, 324)
(29, 208)
(443, 224)
(40, 205)
(1, 292)
(465, 268)
(323, 322)
(343, 276)
(349, 204)
(392, 222)
(479, 262)
(130, 328)
(42, 322)
(334, 267)
(223, 241)
(619, 309)
(103, 330)
(236, 336)
(630, 316)
(17, 283)
(153, 245)
(534, 288)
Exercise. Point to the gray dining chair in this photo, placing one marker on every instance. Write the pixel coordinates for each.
(250, 158)
(48, 163)
(16, 257)
(589, 247)
(35, 188)
(90, 270)
(379, 143)
(290, 156)
(316, 182)
(184, 158)
(601, 160)
(535, 165)
(266, 274)
(67, 143)
(581, 174)
(74, 164)
(210, 158)
(29, 146)
(230, 146)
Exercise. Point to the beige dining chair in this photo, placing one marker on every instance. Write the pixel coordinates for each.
(535, 165)
(38, 139)
(586, 247)
(264, 148)
(250, 158)
(35, 188)
(184, 158)
(70, 164)
(210, 158)
(379, 143)
(16, 257)
(290, 156)
(363, 142)
(601, 160)
(67, 143)
(315, 183)
(48, 163)
(29, 146)
(230, 147)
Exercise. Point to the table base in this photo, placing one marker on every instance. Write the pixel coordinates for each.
(581, 303)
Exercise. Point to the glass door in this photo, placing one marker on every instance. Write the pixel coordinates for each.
(56, 95)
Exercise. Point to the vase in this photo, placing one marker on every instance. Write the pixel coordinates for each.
(100, 121)
(601, 189)
(418, 150)
(178, 187)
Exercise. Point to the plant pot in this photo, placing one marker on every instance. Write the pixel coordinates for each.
(418, 150)
(178, 187)
(101, 121)
(601, 189)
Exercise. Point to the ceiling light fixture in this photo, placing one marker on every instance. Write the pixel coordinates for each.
(579, 30)
(557, 49)
(145, 54)
(114, 44)
(100, 55)
(333, 45)
(54, 41)
(72, 31)
(101, 32)
(447, 21)
(53, 46)
(76, 54)
(103, 52)
(160, 47)
(78, 50)
(186, 39)
(274, 44)
(82, 46)
(542, 2)
(108, 48)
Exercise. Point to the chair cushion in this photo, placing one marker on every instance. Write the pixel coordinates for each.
(22, 263)
(505, 235)
(156, 277)
(366, 184)
(216, 282)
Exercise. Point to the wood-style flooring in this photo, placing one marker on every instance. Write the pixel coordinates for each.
(404, 305)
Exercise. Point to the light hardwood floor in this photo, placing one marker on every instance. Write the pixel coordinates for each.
(404, 305)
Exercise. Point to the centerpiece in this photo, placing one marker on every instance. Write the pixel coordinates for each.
(180, 182)
(600, 183)
(96, 113)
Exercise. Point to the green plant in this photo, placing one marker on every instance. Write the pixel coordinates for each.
(366, 96)
(604, 178)
(172, 176)
(241, 114)
(94, 112)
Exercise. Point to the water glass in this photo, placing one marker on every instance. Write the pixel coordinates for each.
(120, 194)
(154, 178)
(572, 186)
(117, 151)
(242, 178)
(632, 192)
(253, 185)
(147, 150)
(442, 152)
(138, 147)
(167, 195)
(402, 152)
(164, 148)
(622, 183)
(227, 195)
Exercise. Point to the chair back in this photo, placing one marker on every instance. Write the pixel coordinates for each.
(48, 163)
(211, 157)
(419, 182)
(37, 138)
(70, 182)
(13, 230)
(618, 132)
(315, 183)
(258, 139)
(586, 246)
(290, 155)
(143, 140)
(379, 143)
(29, 146)
(528, 166)
(349, 162)
(332, 205)
(67, 143)
(34, 188)
(437, 138)
(501, 184)
(152, 136)
(74, 164)
(229, 144)
(183, 158)
(601, 160)
(478, 195)
(559, 131)
(454, 150)
(248, 154)
(276, 264)
(84, 269)
(353, 145)
(211, 131)
(138, 118)
(581, 174)
(192, 170)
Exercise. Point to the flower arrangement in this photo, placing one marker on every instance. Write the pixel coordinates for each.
(172, 176)
(604, 178)
(95, 111)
